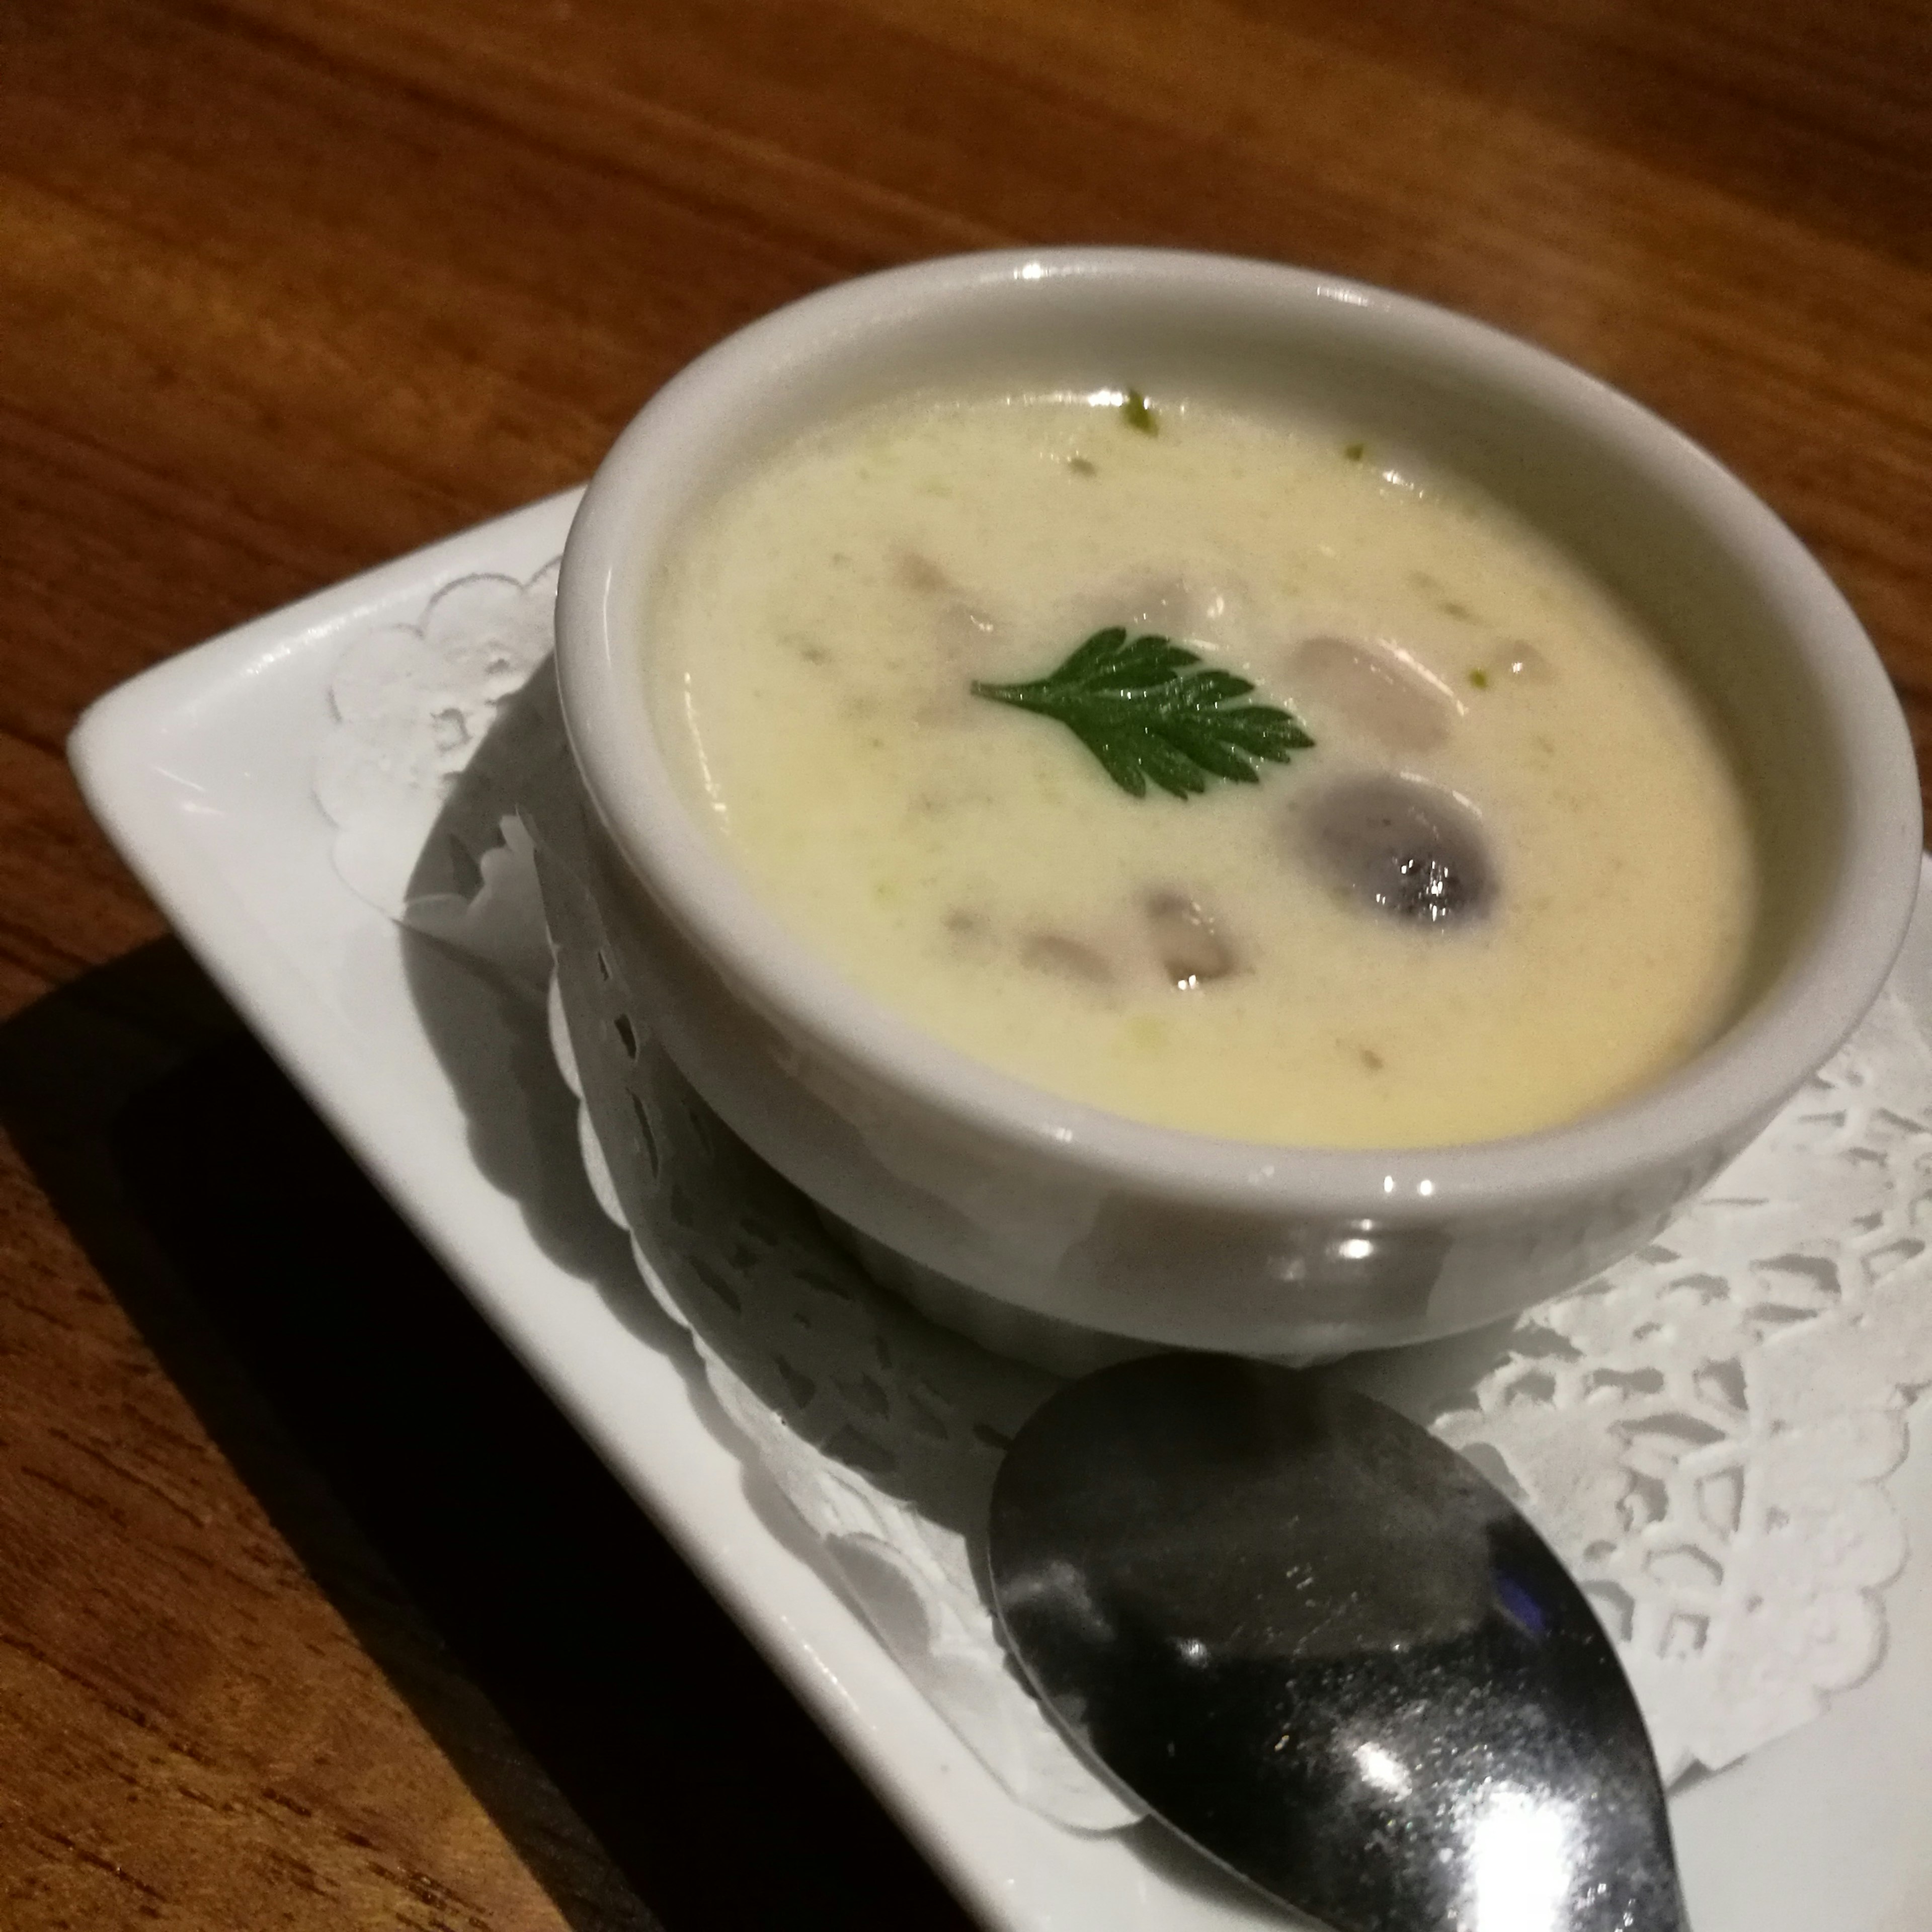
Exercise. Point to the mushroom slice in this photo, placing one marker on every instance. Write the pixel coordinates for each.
(1192, 951)
(1066, 958)
(1376, 688)
(918, 571)
(1410, 849)
(962, 627)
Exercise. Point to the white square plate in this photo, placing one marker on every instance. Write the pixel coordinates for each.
(201, 770)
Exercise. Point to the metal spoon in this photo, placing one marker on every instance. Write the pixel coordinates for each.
(1318, 1644)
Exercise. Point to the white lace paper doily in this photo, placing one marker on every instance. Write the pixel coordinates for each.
(1703, 1434)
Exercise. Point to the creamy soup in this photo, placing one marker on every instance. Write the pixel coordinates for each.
(1511, 879)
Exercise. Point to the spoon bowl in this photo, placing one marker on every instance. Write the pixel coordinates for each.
(1318, 1644)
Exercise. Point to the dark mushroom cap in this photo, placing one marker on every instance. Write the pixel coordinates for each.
(1409, 849)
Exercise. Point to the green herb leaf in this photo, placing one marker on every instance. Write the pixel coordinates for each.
(1147, 711)
(1138, 413)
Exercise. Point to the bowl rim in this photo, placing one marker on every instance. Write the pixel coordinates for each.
(641, 491)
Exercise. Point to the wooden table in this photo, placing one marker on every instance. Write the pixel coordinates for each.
(312, 1611)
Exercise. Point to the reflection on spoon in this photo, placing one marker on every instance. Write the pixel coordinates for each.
(1318, 1644)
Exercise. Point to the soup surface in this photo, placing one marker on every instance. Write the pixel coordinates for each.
(1512, 879)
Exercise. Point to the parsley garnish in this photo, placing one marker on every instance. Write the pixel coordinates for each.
(1137, 412)
(1143, 710)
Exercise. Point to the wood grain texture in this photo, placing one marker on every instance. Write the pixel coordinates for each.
(286, 289)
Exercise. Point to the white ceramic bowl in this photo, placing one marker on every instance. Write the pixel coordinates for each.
(1054, 1229)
